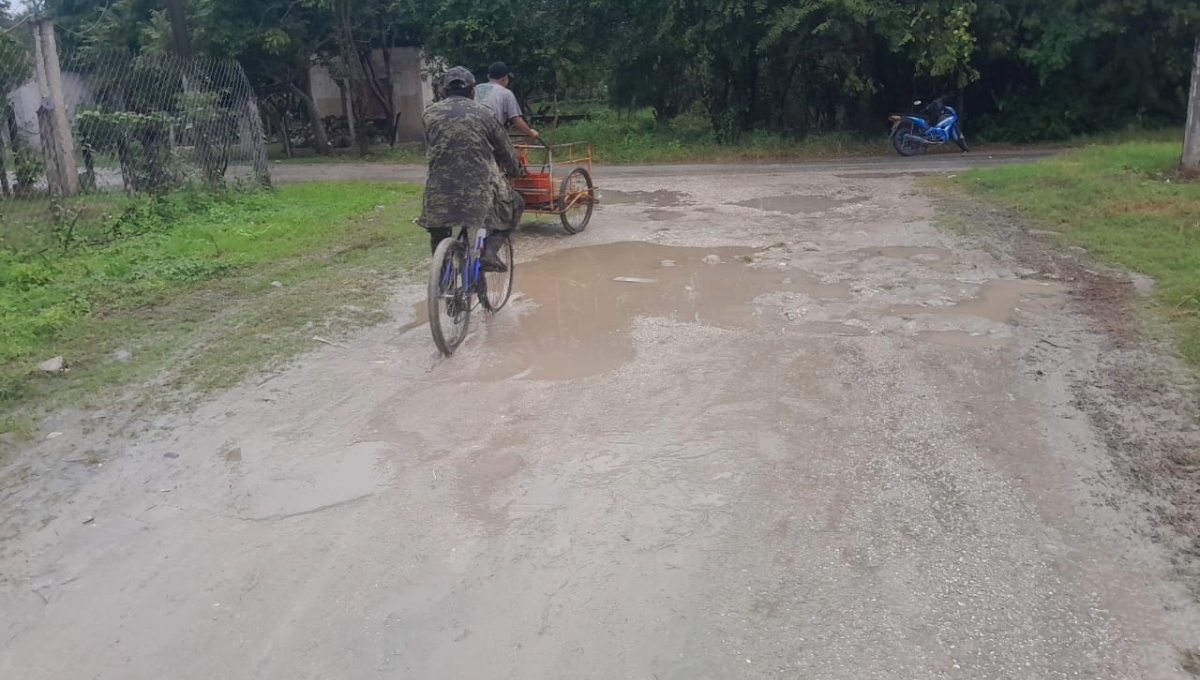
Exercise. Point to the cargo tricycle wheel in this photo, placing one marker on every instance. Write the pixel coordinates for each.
(577, 195)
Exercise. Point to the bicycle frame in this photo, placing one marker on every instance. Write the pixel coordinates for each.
(472, 272)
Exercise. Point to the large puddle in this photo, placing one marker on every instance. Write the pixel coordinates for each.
(999, 300)
(958, 339)
(937, 259)
(573, 313)
(795, 204)
(581, 303)
(664, 215)
(658, 199)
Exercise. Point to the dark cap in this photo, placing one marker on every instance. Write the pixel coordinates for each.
(499, 70)
(460, 75)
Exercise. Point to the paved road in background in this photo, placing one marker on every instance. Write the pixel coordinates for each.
(930, 163)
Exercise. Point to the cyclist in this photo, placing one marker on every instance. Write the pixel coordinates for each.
(466, 147)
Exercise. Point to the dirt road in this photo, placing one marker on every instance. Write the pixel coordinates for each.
(822, 438)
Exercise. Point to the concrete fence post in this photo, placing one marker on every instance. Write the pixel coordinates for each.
(58, 144)
(1191, 133)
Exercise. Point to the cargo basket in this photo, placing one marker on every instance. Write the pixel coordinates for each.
(535, 188)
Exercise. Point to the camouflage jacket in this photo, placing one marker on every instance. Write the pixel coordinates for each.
(464, 142)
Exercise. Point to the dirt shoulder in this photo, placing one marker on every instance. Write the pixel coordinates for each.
(1134, 390)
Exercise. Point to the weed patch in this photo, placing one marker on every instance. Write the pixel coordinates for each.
(195, 290)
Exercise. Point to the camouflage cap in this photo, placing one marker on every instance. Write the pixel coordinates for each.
(458, 74)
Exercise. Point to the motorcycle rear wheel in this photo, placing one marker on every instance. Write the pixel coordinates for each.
(902, 140)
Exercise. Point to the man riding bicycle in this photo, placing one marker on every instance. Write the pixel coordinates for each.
(466, 147)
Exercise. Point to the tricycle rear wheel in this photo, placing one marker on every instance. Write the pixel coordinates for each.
(577, 194)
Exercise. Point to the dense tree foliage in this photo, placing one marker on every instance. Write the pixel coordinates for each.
(1025, 69)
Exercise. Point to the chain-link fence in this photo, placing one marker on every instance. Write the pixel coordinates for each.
(138, 124)
(148, 123)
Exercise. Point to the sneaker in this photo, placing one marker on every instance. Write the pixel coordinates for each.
(489, 261)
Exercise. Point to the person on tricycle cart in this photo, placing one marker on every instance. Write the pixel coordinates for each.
(466, 148)
(502, 101)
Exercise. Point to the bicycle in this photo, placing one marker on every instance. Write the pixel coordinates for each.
(457, 281)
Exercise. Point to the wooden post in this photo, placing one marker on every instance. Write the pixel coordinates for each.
(46, 140)
(346, 86)
(258, 142)
(285, 133)
(7, 191)
(1191, 133)
(58, 145)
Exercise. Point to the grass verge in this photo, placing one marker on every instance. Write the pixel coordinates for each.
(638, 138)
(192, 292)
(1126, 206)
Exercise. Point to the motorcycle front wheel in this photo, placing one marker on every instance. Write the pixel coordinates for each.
(961, 141)
(903, 142)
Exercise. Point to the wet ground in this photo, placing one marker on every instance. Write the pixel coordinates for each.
(762, 425)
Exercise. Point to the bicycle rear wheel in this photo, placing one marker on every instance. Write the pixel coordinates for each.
(449, 301)
(495, 287)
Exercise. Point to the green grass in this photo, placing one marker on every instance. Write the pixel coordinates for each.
(20, 426)
(689, 138)
(639, 138)
(178, 291)
(1127, 207)
(1167, 135)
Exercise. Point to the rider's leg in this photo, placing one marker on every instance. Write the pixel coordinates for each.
(436, 236)
(508, 216)
(490, 257)
(518, 209)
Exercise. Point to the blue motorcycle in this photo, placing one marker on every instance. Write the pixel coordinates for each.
(935, 124)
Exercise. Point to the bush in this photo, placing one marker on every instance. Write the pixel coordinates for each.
(28, 168)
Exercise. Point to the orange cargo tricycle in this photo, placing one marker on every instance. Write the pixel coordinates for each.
(575, 196)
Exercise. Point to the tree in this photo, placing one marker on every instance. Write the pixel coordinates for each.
(1191, 136)
(1026, 69)
(276, 47)
(15, 70)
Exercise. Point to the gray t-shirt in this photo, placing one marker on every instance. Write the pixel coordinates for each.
(501, 100)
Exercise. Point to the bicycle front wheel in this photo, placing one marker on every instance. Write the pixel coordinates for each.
(449, 299)
(495, 287)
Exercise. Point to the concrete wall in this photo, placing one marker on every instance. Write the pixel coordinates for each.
(25, 102)
(325, 92)
(409, 90)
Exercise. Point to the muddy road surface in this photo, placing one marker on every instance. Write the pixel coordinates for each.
(810, 435)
